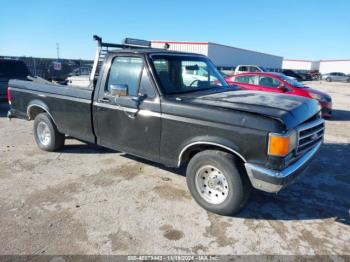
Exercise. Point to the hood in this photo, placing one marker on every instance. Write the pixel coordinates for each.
(288, 109)
(315, 91)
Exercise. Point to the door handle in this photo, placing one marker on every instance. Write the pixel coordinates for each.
(104, 100)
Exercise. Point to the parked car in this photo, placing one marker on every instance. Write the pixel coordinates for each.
(229, 140)
(305, 75)
(293, 74)
(81, 71)
(80, 76)
(248, 68)
(315, 74)
(336, 76)
(81, 81)
(11, 69)
(279, 83)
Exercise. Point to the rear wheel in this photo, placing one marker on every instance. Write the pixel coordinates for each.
(217, 182)
(46, 134)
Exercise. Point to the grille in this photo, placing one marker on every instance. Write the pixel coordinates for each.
(309, 135)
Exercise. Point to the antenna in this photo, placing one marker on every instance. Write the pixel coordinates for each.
(58, 50)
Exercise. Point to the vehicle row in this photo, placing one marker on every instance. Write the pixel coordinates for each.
(280, 83)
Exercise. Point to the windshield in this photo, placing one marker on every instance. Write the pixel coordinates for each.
(183, 73)
(264, 69)
(291, 81)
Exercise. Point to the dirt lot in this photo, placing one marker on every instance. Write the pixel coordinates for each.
(87, 200)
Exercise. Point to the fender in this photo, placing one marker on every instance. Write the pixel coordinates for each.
(211, 141)
(37, 103)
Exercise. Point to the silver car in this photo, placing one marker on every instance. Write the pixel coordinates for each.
(336, 76)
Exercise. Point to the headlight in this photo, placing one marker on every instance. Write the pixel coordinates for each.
(318, 97)
(282, 144)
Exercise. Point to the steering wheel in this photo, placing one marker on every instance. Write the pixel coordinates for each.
(194, 81)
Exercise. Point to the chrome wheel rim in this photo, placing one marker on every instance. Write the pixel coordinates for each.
(211, 184)
(43, 133)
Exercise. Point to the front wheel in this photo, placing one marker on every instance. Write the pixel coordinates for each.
(46, 134)
(328, 79)
(217, 182)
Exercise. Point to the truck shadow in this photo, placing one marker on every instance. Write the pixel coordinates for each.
(322, 192)
(178, 171)
(340, 115)
(85, 149)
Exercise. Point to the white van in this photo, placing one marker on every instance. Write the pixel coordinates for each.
(248, 68)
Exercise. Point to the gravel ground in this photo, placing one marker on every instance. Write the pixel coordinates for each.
(88, 200)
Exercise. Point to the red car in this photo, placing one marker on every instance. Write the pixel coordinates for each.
(280, 83)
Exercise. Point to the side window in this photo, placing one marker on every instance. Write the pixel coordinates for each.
(254, 69)
(146, 87)
(243, 69)
(269, 82)
(241, 79)
(126, 71)
(253, 80)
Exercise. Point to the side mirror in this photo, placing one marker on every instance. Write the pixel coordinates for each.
(118, 90)
(282, 88)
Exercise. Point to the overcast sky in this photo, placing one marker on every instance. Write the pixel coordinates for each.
(292, 29)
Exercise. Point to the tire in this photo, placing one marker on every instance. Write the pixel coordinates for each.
(46, 134)
(230, 180)
(328, 79)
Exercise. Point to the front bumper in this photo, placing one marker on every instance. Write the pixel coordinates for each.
(272, 181)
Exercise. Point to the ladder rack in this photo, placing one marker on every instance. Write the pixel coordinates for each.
(102, 50)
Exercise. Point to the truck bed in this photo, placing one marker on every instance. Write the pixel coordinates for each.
(70, 106)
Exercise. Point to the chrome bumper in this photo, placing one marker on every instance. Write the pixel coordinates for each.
(272, 181)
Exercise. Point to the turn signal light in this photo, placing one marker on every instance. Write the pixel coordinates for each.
(280, 144)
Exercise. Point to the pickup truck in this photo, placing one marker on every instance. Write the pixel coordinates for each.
(229, 140)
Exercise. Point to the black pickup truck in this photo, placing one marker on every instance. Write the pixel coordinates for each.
(176, 109)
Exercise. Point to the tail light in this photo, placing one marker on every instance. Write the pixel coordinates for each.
(9, 95)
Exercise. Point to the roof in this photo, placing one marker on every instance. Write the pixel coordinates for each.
(150, 51)
(273, 74)
(179, 42)
(326, 60)
(298, 60)
(207, 43)
(339, 60)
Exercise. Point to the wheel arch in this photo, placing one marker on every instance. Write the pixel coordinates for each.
(194, 147)
(36, 107)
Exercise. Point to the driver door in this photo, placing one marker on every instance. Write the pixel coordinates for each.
(130, 121)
